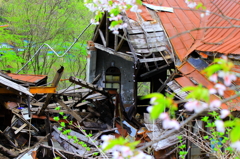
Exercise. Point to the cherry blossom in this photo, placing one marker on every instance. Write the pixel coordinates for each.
(164, 116)
(236, 145)
(191, 4)
(171, 124)
(106, 139)
(215, 104)
(214, 78)
(228, 77)
(195, 105)
(220, 126)
(224, 113)
(220, 88)
(149, 109)
(142, 155)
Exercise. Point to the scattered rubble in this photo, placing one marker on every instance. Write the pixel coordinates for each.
(35, 119)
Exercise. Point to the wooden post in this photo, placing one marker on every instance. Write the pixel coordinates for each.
(54, 84)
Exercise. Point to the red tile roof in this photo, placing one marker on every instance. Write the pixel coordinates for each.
(218, 34)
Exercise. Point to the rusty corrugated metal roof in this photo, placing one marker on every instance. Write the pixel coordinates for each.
(225, 39)
(27, 78)
(219, 34)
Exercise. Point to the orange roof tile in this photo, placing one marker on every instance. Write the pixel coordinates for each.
(218, 34)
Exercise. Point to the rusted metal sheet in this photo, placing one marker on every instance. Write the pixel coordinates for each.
(38, 90)
(27, 78)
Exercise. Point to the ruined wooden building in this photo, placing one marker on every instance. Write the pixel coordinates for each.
(163, 49)
(167, 46)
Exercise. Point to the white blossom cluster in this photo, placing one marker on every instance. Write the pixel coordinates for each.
(100, 6)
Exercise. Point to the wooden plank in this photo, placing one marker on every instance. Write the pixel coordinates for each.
(121, 42)
(110, 51)
(147, 51)
(149, 40)
(154, 59)
(83, 103)
(14, 87)
(6, 91)
(155, 71)
(20, 128)
(147, 29)
(75, 115)
(86, 84)
(156, 35)
(106, 29)
(148, 45)
(78, 91)
(40, 90)
(69, 89)
(54, 84)
(102, 37)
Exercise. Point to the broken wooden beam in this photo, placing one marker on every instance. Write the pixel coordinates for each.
(54, 84)
(41, 90)
(155, 71)
(74, 114)
(87, 85)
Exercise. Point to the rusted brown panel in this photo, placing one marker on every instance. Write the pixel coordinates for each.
(184, 81)
(27, 78)
(186, 68)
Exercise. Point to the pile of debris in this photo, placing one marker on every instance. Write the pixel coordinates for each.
(40, 122)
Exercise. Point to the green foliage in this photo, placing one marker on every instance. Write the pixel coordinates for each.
(197, 92)
(121, 141)
(56, 118)
(182, 147)
(32, 23)
(58, 108)
(218, 65)
(160, 103)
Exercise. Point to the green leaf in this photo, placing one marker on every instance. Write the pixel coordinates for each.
(205, 137)
(58, 108)
(56, 118)
(63, 124)
(205, 118)
(60, 128)
(199, 5)
(61, 113)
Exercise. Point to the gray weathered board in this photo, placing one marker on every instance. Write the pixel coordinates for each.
(12, 85)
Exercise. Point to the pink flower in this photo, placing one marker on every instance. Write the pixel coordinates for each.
(220, 89)
(191, 4)
(224, 113)
(149, 109)
(126, 151)
(227, 77)
(142, 155)
(236, 145)
(153, 100)
(212, 91)
(171, 124)
(220, 126)
(107, 137)
(215, 104)
(214, 78)
(195, 105)
(164, 116)
(115, 32)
